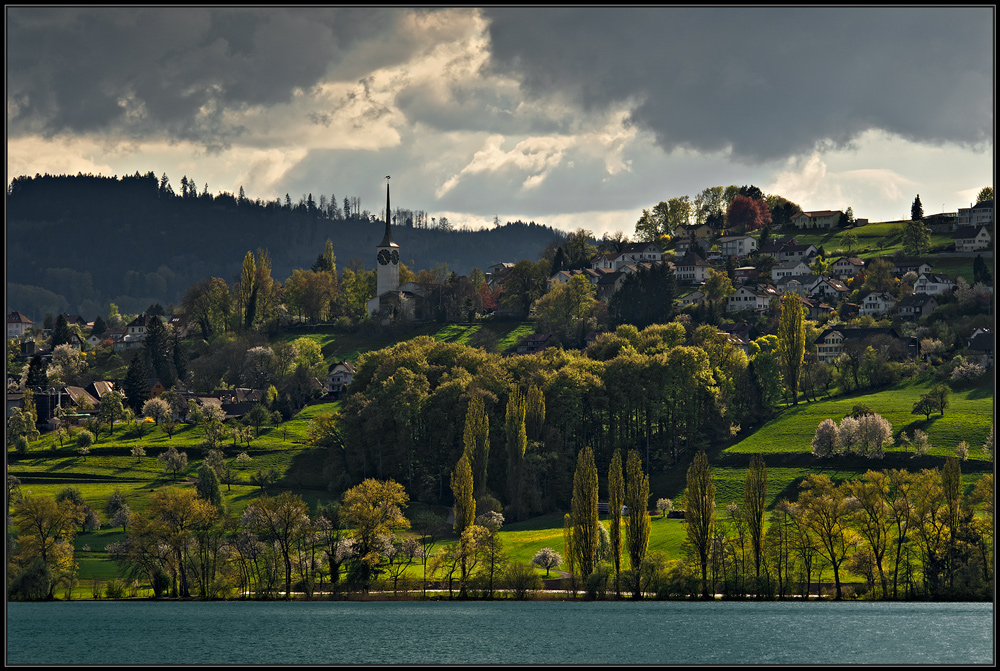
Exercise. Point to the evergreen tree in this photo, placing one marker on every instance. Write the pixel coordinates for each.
(157, 349)
(37, 372)
(136, 384)
(699, 516)
(61, 333)
(917, 210)
(981, 271)
(585, 517)
(100, 327)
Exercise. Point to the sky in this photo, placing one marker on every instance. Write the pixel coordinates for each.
(570, 117)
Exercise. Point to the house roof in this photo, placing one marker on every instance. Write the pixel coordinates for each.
(18, 318)
(982, 341)
(853, 260)
(818, 213)
(967, 232)
(916, 300)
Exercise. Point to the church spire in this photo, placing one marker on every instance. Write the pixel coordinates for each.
(387, 238)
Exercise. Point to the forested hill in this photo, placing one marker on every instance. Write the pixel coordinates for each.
(76, 243)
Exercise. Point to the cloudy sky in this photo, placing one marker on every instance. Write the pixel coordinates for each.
(570, 117)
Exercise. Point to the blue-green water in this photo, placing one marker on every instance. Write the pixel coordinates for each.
(550, 632)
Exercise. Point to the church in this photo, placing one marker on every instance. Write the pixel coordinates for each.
(392, 302)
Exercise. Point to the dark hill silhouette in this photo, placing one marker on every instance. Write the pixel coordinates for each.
(76, 243)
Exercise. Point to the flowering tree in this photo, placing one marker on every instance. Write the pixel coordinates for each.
(827, 437)
(547, 558)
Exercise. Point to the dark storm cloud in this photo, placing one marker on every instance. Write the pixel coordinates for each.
(767, 82)
(173, 71)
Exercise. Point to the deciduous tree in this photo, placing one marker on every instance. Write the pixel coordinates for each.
(637, 524)
(585, 517)
(699, 520)
(791, 342)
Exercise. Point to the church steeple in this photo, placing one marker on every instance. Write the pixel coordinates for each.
(388, 254)
(387, 238)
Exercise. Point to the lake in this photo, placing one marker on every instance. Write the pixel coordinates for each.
(498, 632)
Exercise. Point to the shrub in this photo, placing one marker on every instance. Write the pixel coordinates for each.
(85, 438)
(598, 581)
(114, 588)
(968, 372)
(522, 581)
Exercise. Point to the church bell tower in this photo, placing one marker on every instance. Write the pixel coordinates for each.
(387, 254)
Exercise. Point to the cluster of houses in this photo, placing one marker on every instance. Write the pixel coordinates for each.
(85, 401)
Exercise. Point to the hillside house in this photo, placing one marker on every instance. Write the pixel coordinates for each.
(830, 343)
(846, 266)
(918, 267)
(341, 374)
(980, 347)
(17, 324)
(916, 306)
(972, 239)
(789, 269)
(794, 252)
(829, 290)
(933, 283)
(695, 297)
(738, 245)
(752, 298)
(877, 304)
(692, 268)
(817, 219)
(980, 214)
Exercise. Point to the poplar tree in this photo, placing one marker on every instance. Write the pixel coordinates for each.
(616, 499)
(534, 415)
(477, 442)
(517, 443)
(637, 524)
(585, 516)
(461, 487)
(792, 342)
(699, 518)
(248, 290)
(754, 503)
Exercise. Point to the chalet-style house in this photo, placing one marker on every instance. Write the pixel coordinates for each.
(535, 342)
(817, 219)
(17, 324)
(693, 298)
(829, 290)
(340, 376)
(744, 274)
(796, 252)
(815, 310)
(933, 283)
(972, 239)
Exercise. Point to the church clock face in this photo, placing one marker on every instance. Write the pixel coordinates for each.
(383, 256)
(395, 257)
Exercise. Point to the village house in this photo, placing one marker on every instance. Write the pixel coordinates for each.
(829, 289)
(801, 285)
(795, 252)
(738, 245)
(918, 267)
(972, 239)
(877, 304)
(980, 347)
(695, 297)
(916, 306)
(341, 374)
(789, 269)
(980, 214)
(817, 219)
(846, 266)
(830, 343)
(692, 268)
(933, 283)
(752, 298)
(17, 324)
(815, 310)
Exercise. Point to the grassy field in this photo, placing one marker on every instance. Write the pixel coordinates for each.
(875, 239)
(968, 417)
